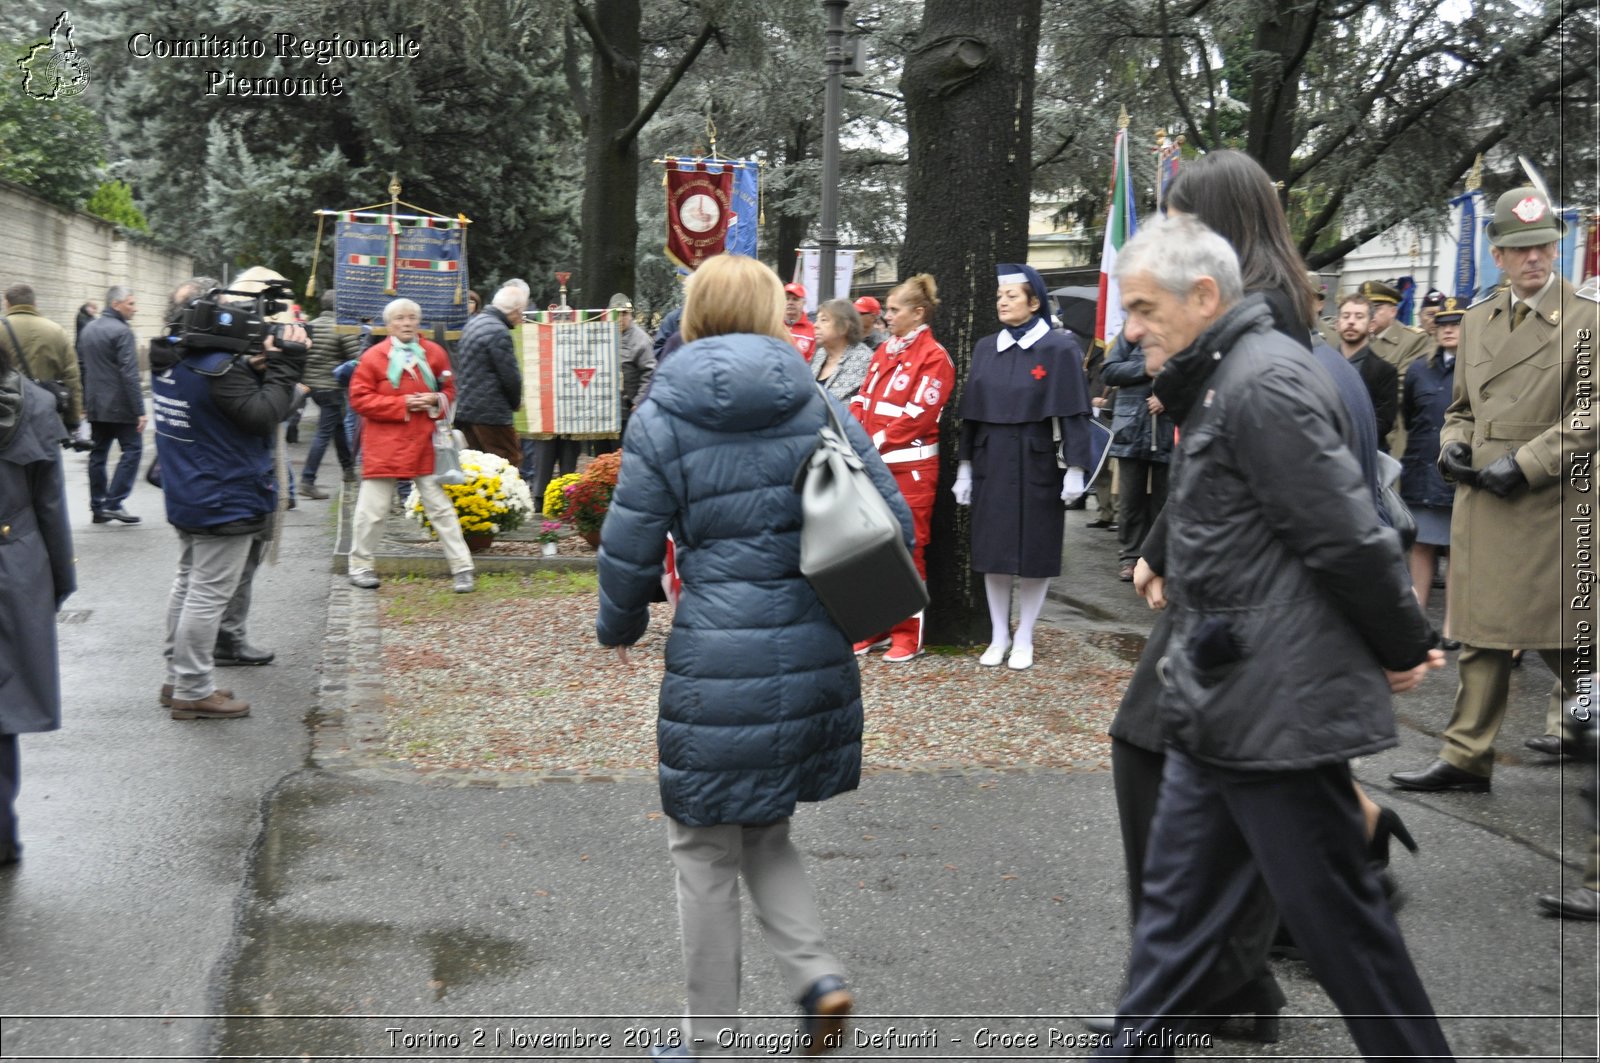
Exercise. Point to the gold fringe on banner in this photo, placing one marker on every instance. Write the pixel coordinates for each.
(316, 252)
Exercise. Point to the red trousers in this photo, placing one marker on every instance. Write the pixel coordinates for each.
(918, 482)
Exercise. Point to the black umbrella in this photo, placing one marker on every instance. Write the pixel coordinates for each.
(1075, 306)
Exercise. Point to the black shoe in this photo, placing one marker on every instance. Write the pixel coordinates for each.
(102, 518)
(1441, 775)
(1098, 522)
(119, 515)
(230, 653)
(1579, 902)
(1259, 1001)
(1389, 826)
(1554, 746)
(10, 853)
(1450, 645)
(824, 1009)
(1079, 503)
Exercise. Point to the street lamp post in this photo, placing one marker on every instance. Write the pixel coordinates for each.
(833, 102)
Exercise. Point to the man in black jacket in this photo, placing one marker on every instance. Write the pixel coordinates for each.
(114, 404)
(1292, 621)
(488, 378)
(1383, 383)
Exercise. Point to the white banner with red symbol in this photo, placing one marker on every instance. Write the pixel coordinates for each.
(699, 206)
(572, 376)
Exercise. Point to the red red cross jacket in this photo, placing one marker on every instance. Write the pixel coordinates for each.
(907, 385)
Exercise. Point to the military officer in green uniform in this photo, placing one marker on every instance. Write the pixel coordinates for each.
(1396, 343)
(1520, 447)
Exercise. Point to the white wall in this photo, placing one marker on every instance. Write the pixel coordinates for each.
(70, 258)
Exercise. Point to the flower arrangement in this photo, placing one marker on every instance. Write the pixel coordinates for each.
(555, 494)
(495, 498)
(590, 497)
(549, 531)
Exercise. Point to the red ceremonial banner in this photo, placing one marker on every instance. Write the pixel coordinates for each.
(698, 212)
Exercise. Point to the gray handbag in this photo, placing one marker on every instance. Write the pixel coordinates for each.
(448, 443)
(851, 546)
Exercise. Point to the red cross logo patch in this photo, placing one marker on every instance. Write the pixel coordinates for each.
(1037, 372)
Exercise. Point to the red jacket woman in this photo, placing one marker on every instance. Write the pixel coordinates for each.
(397, 443)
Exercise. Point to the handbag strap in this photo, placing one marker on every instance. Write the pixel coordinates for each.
(833, 415)
(16, 345)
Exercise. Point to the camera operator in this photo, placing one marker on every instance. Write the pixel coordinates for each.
(217, 414)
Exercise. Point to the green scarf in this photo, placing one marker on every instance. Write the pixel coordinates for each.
(403, 356)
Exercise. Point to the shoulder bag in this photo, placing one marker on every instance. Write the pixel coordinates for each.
(57, 388)
(851, 546)
(448, 443)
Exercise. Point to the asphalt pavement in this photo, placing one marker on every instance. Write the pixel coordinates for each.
(270, 889)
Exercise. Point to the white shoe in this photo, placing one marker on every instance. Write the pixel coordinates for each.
(994, 654)
(1021, 656)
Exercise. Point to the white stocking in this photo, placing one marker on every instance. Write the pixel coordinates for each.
(997, 585)
(1030, 601)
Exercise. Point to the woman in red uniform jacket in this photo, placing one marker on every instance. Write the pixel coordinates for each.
(907, 385)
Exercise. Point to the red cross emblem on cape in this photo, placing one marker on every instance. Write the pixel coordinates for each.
(1037, 372)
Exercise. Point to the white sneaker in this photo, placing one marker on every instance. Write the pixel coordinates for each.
(461, 582)
(1021, 656)
(994, 654)
(364, 578)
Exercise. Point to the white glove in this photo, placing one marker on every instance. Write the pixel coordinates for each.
(1072, 485)
(963, 485)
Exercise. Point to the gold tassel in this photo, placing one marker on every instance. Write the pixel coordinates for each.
(316, 251)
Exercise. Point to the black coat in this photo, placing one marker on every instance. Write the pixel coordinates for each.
(488, 378)
(112, 390)
(1383, 386)
(1135, 431)
(1427, 395)
(1289, 597)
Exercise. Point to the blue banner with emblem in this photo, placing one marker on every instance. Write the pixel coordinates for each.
(744, 227)
(382, 257)
(1468, 233)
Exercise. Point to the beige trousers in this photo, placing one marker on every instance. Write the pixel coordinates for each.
(372, 511)
(1481, 704)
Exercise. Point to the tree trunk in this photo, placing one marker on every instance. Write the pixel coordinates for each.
(1281, 42)
(611, 158)
(791, 221)
(968, 87)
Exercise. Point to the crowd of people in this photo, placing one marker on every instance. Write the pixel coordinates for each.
(1288, 557)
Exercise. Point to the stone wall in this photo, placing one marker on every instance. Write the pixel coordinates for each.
(71, 258)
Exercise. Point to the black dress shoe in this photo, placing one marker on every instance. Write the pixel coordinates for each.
(1553, 746)
(1579, 902)
(102, 518)
(121, 515)
(10, 853)
(1450, 645)
(229, 654)
(1441, 775)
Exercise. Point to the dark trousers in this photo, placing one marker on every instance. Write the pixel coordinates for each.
(1241, 980)
(497, 439)
(1217, 834)
(10, 783)
(131, 445)
(1141, 492)
(330, 426)
(547, 455)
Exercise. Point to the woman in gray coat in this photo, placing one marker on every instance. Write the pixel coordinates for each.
(761, 705)
(37, 573)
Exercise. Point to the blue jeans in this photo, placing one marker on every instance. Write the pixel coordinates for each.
(330, 425)
(131, 445)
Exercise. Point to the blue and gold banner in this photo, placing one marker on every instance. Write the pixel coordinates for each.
(743, 224)
(382, 257)
(1468, 233)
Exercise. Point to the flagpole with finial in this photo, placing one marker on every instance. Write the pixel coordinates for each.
(392, 274)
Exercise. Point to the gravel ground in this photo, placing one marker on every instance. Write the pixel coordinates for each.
(510, 679)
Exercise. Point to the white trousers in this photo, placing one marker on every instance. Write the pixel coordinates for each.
(372, 510)
(710, 862)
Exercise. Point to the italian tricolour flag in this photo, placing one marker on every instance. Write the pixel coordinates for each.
(1120, 224)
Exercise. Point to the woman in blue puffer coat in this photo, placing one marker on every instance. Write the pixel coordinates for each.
(761, 704)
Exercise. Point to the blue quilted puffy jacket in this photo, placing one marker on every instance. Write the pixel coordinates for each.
(761, 704)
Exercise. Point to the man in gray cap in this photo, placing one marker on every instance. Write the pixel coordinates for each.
(1520, 446)
(638, 362)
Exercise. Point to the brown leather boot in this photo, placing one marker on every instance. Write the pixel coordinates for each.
(216, 706)
(166, 694)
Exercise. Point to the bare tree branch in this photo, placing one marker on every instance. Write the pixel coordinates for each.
(1066, 142)
(602, 47)
(648, 111)
(1170, 64)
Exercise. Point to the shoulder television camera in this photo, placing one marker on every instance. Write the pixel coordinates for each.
(225, 319)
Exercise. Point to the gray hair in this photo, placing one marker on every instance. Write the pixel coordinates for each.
(400, 306)
(512, 296)
(117, 293)
(187, 292)
(844, 314)
(330, 299)
(1176, 252)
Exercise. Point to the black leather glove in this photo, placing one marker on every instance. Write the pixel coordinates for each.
(1455, 464)
(1503, 477)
